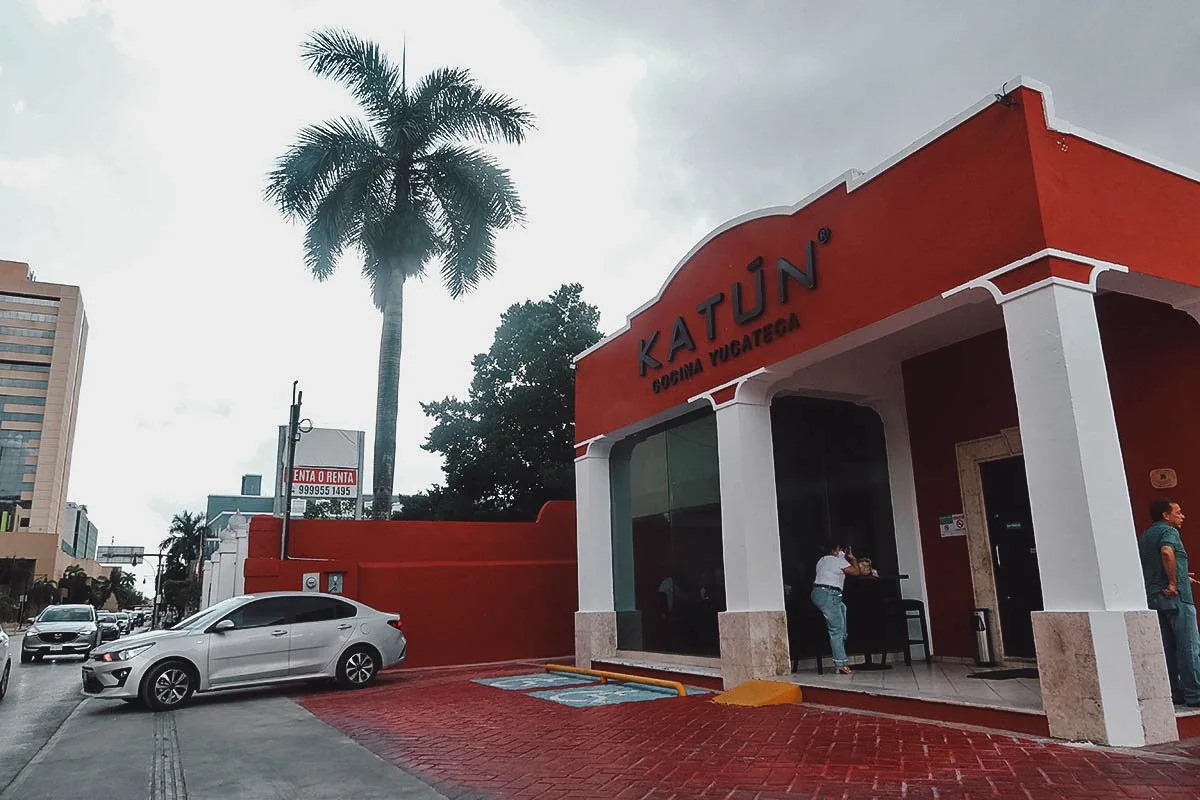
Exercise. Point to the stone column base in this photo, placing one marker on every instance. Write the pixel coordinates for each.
(1104, 677)
(595, 636)
(754, 644)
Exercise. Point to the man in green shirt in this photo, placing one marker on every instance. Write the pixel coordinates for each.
(1169, 591)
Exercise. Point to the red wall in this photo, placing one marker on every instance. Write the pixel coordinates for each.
(468, 592)
(965, 392)
(961, 206)
(955, 394)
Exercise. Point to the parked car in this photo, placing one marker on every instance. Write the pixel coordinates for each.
(5, 663)
(253, 640)
(110, 631)
(124, 622)
(61, 631)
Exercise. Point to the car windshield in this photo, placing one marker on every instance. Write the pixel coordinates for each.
(105, 617)
(202, 618)
(66, 615)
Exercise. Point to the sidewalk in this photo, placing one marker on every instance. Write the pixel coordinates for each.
(475, 741)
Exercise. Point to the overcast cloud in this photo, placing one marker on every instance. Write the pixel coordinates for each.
(134, 137)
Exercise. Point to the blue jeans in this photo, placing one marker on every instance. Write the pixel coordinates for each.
(1187, 653)
(829, 601)
(1184, 663)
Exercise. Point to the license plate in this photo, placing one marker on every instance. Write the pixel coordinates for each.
(56, 648)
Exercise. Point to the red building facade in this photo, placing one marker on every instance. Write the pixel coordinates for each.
(975, 361)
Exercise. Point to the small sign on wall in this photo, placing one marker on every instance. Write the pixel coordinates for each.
(1163, 478)
(952, 525)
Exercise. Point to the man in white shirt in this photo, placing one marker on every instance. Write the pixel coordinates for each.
(832, 570)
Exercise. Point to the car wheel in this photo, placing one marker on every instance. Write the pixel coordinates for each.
(357, 668)
(4, 680)
(168, 686)
(26, 657)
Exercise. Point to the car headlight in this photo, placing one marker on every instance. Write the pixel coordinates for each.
(126, 654)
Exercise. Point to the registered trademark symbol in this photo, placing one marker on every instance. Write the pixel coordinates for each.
(823, 235)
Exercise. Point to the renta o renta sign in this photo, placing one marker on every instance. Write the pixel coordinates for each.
(746, 313)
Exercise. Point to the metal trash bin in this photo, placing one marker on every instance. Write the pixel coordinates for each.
(981, 624)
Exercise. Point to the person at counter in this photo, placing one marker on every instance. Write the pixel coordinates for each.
(832, 570)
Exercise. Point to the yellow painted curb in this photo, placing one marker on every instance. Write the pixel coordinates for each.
(760, 693)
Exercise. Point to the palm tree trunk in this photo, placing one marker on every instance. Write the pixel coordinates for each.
(388, 394)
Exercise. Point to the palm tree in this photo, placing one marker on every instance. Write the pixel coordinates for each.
(182, 544)
(404, 187)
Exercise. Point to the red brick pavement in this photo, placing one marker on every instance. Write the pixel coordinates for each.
(472, 741)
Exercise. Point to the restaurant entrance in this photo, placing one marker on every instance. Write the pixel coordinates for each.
(831, 478)
(1014, 552)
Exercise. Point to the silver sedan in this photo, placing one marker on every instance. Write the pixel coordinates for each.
(253, 640)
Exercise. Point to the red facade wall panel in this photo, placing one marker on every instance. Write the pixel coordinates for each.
(956, 394)
(961, 206)
(1101, 203)
(468, 592)
(1153, 358)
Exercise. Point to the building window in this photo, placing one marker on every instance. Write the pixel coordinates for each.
(30, 300)
(24, 383)
(32, 333)
(17, 416)
(15, 399)
(18, 366)
(27, 315)
(667, 559)
(35, 349)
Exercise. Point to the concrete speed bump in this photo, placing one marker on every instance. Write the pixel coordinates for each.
(760, 693)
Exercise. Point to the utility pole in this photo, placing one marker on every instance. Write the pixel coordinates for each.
(157, 592)
(289, 465)
(200, 571)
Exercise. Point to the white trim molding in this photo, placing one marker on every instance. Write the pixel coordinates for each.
(987, 280)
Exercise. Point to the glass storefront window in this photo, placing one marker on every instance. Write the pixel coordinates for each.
(667, 559)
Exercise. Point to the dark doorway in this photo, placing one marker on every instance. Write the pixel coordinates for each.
(831, 478)
(1014, 552)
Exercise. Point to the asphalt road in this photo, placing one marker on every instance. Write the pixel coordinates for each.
(249, 745)
(40, 696)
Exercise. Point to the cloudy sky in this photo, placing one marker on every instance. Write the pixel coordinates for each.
(134, 137)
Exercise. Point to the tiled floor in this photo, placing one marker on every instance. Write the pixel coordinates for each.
(941, 681)
(474, 741)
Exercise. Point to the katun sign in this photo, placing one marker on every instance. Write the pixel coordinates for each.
(752, 331)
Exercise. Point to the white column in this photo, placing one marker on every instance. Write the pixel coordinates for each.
(749, 507)
(910, 559)
(1078, 492)
(1103, 674)
(240, 525)
(595, 621)
(753, 628)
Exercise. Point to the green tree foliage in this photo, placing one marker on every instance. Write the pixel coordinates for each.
(329, 509)
(509, 447)
(180, 586)
(75, 585)
(404, 187)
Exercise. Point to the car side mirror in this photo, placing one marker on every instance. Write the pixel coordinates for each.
(224, 625)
